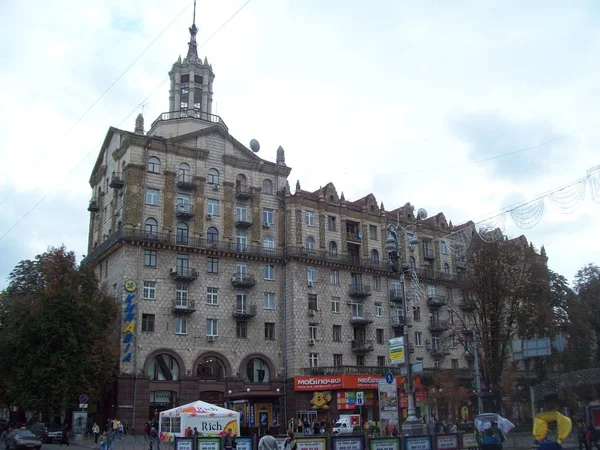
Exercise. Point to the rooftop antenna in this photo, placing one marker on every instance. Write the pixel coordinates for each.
(143, 106)
(193, 48)
(194, 20)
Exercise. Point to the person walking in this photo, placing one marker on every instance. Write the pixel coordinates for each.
(592, 435)
(65, 435)
(290, 443)
(230, 443)
(267, 442)
(95, 432)
(582, 436)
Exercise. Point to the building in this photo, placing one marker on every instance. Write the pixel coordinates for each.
(237, 292)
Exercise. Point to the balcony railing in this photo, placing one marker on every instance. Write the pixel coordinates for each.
(438, 325)
(350, 370)
(185, 181)
(184, 211)
(244, 192)
(361, 346)
(396, 295)
(352, 237)
(399, 322)
(243, 280)
(439, 352)
(359, 290)
(183, 273)
(361, 319)
(436, 301)
(244, 312)
(323, 255)
(243, 222)
(427, 252)
(183, 306)
(93, 206)
(116, 180)
(189, 113)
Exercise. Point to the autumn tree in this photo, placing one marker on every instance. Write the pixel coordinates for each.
(587, 305)
(54, 333)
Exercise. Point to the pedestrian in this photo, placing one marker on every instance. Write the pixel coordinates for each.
(230, 443)
(290, 443)
(96, 432)
(582, 436)
(592, 435)
(103, 445)
(267, 442)
(65, 435)
(195, 433)
(125, 427)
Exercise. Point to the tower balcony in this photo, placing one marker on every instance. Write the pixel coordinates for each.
(436, 301)
(244, 311)
(185, 182)
(353, 237)
(116, 180)
(361, 319)
(93, 205)
(243, 280)
(359, 290)
(427, 253)
(438, 325)
(243, 192)
(183, 306)
(396, 296)
(243, 222)
(362, 346)
(187, 114)
(400, 322)
(181, 273)
(184, 211)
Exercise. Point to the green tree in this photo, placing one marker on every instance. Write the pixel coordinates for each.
(587, 287)
(56, 339)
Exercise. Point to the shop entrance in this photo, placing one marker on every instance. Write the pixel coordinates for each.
(308, 416)
(161, 401)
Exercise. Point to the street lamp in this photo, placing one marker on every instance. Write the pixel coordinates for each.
(393, 246)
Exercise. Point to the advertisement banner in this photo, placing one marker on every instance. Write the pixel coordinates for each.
(243, 443)
(184, 443)
(351, 382)
(384, 444)
(347, 443)
(388, 403)
(346, 400)
(447, 442)
(468, 440)
(417, 443)
(311, 443)
(208, 444)
(396, 351)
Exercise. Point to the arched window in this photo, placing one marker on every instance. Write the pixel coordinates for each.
(257, 371)
(213, 176)
(374, 256)
(412, 262)
(183, 173)
(153, 164)
(267, 187)
(446, 268)
(268, 243)
(163, 368)
(310, 243)
(150, 227)
(183, 233)
(241, 241)
(333, 248)
(212, 235)
(211, 368)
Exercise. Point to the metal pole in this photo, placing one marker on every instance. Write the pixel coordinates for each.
(477, 374)
(412, 414)
(532, 396)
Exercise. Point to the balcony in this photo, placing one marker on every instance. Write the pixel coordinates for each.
(243, 192)
(361, 319)
(243, 280)
(361, 346)
(183, 306)
(436, 301)
(181, 273)
(400, 322)
(350, 370)
(438, 325)
(93, 205)
(189, 114)
(184, 211)
(427, 253)
(438, 352)
(116, 180)
(359, 290)
(467, 305)
(243, 222)
(324, 255)
(396, 295)
(353, 237)
(244, 311)
(185, 182)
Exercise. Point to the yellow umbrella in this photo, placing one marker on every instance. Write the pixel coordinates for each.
(541, 421)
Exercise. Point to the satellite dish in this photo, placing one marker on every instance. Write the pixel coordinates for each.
(422, 214)
(254, 145)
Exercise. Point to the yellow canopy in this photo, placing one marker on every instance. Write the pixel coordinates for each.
(541, 421)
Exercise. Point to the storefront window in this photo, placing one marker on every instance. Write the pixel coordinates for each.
(257, 371)
(163, 368)
(211, 368)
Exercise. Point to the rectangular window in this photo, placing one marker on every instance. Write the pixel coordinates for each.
(185, 78)
(313, 360)
(212, 207)
(212, 295)
(337, 333)
(197, 98)
(418, 338)
(312, 302)
(312, 332)
(269, 331)
(184, 96)
(444, 247)
(269, 300)
(311, 274)
(417, 313)
(148, 323)
(360, 360)
(212, 327)
(377, 284)
(268, 216)
(437, 365)
(181, 325)
(198, 79)
(150, 257)
(455, 363)
(269, 272)
(331, 224)
(451, 317)
(338, 360)
(181, 295)
(378, 309)
(149, 292)
(379, 335)
(152, 196)
(241, 213)
(381, 361)
(452, 341)
(212, 265)
(334, 276)
(241, 329)
(431, 290)
(449, 293)
(373, 232)
(435, 342)
(310, 218)
(335, 305)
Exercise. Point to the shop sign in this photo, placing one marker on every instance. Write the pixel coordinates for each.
(244, 443)
(347, 443)
(384, 444)
(468, 440)
(321, 400)
(417, 443)
(184, 443)
(129, 320)
(388, 404)
(446, 442)
(333, 382)
(208, 444)
(311, 443)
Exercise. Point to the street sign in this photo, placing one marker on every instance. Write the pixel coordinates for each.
(83, 398)
(360, 400)
(396, 353)
(389, 378)
(83, 406)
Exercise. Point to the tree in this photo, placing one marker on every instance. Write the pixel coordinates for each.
(587, 287)
(55, 333)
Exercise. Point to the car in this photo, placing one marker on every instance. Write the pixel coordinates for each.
(49, 434)
(22, 439)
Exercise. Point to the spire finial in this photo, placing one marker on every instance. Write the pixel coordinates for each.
(192, 46)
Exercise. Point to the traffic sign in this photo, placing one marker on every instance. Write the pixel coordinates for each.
(83, 406)
(83, 398)
(360, 400)
(389, 378)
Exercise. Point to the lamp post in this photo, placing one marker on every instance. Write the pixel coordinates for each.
(393, 246)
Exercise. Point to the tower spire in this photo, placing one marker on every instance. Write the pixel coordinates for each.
(192, 45)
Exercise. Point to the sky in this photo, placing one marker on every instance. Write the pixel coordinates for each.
(401, 99)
